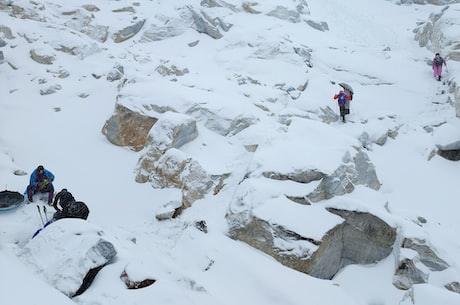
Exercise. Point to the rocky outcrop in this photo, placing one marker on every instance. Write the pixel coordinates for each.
(78, 251)
(361, 238)
(128, 32)
(222, 125)
(128, 128)
(432, 35)
(425, 253)
(354, 171)
(407, 274)
(42, 57)
(168, 210)
(450, 151)
(164, 165)
(416, 258)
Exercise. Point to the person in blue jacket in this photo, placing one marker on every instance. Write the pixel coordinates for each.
(41, 181)
(343, 99)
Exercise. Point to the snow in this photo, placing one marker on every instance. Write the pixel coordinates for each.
(376, 54)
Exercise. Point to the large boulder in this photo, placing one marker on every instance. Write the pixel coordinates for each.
(128, 128)
(357, 170)
(164, 165)
(68, 254)
(450, 151)
(362, 238)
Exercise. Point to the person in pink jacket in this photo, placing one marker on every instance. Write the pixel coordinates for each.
(437, 63)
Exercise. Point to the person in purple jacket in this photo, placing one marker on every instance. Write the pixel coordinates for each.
(41, 181)
(437, 63)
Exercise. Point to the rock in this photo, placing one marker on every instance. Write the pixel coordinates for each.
(68, 254)
(168, 210)
(164, 165)
(453, 286)
(361, 238)
(50, 90)
(222, 125)
(407, 274)
(359, 171)
(131, 284)
(174, 169)
(172, 130)
(318, 25)
(286, 14)
(305, 176)
(42, 58)
(426, 255)
(116, 74)
(128, 32)
(450, 152)
(203, 26)
(128, 128)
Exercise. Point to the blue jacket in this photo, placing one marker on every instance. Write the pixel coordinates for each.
(35, 178)
(342, 98)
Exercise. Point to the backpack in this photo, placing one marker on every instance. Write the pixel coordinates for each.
(438, 61)
(75, 209)
(342, 98)
(63, 198)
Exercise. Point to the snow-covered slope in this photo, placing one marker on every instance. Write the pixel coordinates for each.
(253, 70)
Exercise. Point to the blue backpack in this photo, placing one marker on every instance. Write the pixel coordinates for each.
(342, 100)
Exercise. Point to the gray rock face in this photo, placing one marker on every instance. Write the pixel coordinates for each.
(41, 58)
(297, 176)
(128, 32)
(361, 239)
(416, 267)
(358, 170)
(202, 25)
(427, 256)
(407, 274)
(225, 126)
(450, 151)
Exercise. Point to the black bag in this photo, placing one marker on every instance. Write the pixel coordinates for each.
(75, 209)
(438, 61)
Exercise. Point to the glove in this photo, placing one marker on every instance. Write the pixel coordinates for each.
(45, 182)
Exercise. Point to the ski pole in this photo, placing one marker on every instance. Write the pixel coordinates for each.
(40, 213)
(44, 212)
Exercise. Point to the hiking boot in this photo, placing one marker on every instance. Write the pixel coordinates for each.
(439, 78)
(30, 199)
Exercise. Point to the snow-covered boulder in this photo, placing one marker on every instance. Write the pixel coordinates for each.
(450, 151)
(128, 128)
(354, 238)
(68, 254)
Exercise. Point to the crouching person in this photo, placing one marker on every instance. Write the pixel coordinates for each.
(41, 181)
(67, 207)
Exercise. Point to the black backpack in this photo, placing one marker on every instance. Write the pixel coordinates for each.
(438, 61)
(74, 209)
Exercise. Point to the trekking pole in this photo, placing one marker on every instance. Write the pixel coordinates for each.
(44, 212)
(40, 213)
